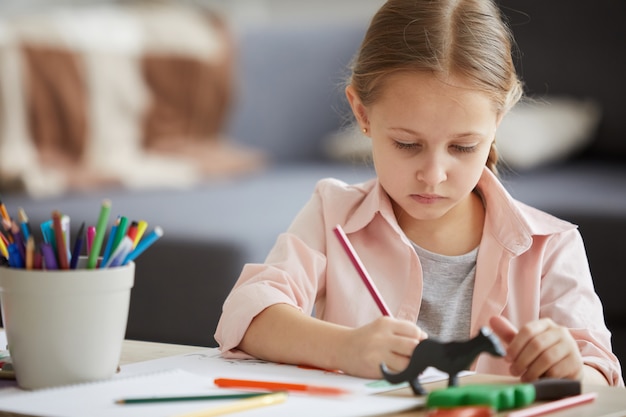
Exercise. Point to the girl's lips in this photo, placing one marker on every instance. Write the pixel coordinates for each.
(426, 198)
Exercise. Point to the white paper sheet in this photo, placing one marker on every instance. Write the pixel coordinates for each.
(98, 399)
(193, 374)
(208, 362)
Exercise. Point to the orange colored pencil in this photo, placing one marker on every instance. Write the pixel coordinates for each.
(30, 252)
(278, 386)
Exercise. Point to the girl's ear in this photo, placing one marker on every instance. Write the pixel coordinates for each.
(358, 109)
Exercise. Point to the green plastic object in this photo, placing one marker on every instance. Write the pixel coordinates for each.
(498, 396)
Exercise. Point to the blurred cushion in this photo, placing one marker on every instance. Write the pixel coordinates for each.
(533, 133)
(130, 106)
(540, 132)
(348, 145)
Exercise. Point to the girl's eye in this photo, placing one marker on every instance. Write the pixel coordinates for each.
(405, 146)
(464, 149)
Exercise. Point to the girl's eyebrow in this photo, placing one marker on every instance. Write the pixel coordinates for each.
(461, 135)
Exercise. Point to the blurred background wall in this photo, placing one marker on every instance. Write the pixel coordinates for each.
(260, 10)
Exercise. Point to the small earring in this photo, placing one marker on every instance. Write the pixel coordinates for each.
(364, 130)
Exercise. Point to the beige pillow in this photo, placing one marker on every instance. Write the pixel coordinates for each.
(533, 133)
(348, 145)
(540, 132)
(133, 106)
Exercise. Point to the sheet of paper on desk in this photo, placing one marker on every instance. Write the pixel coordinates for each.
(208, 362)
(98, 399)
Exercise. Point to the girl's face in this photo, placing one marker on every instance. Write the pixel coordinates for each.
(430, 142)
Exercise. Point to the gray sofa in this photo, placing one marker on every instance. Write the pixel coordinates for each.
(291, 98)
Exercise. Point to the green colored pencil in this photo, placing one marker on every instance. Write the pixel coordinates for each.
(190, 398)
(101, 227)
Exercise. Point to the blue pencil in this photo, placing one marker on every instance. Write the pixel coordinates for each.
(109, 247)
(24, 223)
(144, 244)
(15, 258)
(48, 234)
(120, 253)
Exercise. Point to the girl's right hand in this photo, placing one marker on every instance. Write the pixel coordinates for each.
(387, 340)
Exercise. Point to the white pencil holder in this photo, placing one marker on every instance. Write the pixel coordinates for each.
(65, 326)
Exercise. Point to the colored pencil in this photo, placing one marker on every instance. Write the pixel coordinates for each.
(108, 248)
(78, 246)
(240, 405)
(49, 258)
(24, 225)
(132, 231)
(3, 247)
(15, 258)
(4, 213)
(18, 239)
(122, 228)
(367, 280)
(142, 225)
(120, 253)
(147, 400)
(30, 252)
(96, 246)
(277, 386)
(554, 405)
(60, 240)
(91, 234)
(144, 244)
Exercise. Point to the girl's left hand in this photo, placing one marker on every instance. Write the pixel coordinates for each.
(541, 348)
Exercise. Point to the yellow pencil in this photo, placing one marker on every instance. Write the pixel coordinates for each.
(141, 228)
(4, 213)
(240, 405)
(3, 249)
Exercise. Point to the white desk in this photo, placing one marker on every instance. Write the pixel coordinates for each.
(611, 401)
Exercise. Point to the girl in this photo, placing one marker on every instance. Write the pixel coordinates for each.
(447, 247)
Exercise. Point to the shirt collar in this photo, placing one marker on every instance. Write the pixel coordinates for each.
(511, 223)
(376, 202)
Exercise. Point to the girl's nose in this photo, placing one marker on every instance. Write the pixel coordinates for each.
(431, 170)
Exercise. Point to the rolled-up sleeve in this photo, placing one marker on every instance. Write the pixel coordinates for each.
(291, 275)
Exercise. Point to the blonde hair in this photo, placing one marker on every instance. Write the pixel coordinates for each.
(466, 38)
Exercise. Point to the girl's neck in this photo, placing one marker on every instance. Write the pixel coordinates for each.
(456, 233)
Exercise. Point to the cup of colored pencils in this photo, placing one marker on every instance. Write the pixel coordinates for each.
(65, 300)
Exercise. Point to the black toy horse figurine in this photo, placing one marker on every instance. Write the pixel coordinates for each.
(451, 357)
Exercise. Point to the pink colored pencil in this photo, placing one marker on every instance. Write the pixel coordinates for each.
(551, 406)
(91, 234)
(367, 280)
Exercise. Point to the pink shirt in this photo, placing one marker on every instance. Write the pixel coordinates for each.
(530, 265)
